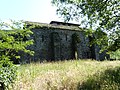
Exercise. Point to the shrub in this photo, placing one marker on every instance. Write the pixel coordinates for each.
(107, 80)
(12, 41)
(8, 74)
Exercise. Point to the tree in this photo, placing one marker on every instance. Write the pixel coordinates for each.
(12, 41)
(96, 15)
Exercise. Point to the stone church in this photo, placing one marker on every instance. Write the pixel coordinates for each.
(61, 41)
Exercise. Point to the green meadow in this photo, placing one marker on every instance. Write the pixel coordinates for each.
(69, 75)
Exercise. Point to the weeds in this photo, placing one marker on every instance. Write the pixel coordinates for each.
(69, 75)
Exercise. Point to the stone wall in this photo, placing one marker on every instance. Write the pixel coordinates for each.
(52, 43)
(57, 44)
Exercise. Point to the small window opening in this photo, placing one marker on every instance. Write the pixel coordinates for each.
(66, 37)
(42, 38)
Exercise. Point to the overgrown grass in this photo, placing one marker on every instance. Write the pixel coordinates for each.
(69, 75)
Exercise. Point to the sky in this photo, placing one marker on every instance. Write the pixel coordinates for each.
(28, 10)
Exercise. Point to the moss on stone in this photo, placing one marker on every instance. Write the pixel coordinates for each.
(52, 26)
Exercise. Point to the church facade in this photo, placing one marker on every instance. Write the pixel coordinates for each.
(61, 41)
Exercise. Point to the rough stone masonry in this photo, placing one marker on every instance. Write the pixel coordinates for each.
(61, 41)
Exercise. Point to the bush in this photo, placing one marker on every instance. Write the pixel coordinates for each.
(8, 74)
(11, 42)
(107, 80)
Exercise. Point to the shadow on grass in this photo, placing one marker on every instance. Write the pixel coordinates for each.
(107, 80)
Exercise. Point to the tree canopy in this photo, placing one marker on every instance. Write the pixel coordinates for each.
(96, 15)
(12, 40)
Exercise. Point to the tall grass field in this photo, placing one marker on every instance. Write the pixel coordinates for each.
(69, 75)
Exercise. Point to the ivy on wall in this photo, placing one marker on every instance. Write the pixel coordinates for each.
(75, 41)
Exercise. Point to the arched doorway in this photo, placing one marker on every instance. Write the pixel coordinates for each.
(55, 46)
(75, 41)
